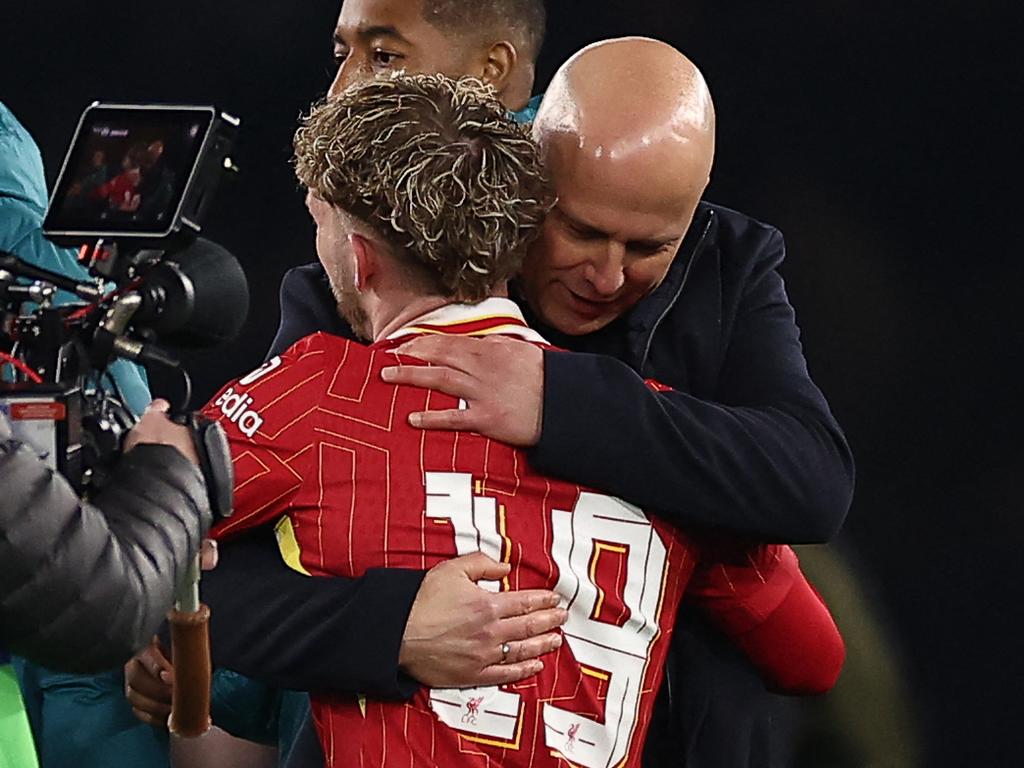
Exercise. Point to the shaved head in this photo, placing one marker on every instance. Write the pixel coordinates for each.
(627, 128)
(632, 99)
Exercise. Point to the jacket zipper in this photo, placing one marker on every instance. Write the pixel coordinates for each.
(679, 290)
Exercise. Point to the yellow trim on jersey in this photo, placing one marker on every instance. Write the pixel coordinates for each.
(471, 319)
(600, 547)
(508, 328)
(506, 546)
(497, 743)
(288, 545)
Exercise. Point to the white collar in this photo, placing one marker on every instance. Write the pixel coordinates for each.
(493, 316)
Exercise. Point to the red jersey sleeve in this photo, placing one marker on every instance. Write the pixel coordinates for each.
(758, 596)
(270, 416)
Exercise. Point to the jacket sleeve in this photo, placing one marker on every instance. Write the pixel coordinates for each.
(293, 631)
(82, 587)
(765, 459)
(758, 597)
(307, 306)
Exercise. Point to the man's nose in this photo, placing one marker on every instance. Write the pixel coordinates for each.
(606, 273)
(343, 78)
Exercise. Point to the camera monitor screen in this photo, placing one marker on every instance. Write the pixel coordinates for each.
(127, 170)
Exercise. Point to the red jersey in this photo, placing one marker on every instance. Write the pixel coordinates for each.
(120, 190)
(323, 451)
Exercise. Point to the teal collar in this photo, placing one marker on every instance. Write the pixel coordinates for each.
(529, 112)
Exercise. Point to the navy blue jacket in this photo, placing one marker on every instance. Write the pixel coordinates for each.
(746, 443)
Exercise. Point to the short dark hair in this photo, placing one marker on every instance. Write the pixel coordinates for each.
(522, 20)
(438, 168)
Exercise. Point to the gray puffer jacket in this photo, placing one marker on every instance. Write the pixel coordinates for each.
(83, 587)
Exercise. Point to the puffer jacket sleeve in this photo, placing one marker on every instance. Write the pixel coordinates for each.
(82, 587)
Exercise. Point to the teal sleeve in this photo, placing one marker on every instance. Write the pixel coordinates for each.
(21, 235)
(85, 721)
(255, 711)
(131, 380)
(243, 707)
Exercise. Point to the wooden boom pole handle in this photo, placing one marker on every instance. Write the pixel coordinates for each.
(190, 644)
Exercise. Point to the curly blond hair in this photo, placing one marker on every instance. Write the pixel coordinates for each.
(436, 167)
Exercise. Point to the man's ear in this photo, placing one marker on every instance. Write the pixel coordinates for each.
(499, 65)
(367, 259)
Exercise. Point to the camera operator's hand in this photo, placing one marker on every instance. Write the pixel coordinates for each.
(155, 427)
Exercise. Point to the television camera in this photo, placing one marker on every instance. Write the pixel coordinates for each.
(132, 193)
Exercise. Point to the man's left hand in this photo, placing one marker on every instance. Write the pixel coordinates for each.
(149, 684)
(500, 379)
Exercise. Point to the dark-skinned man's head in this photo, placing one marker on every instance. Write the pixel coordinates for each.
(496, 41)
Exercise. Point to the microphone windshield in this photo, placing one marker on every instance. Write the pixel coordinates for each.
(198, 297)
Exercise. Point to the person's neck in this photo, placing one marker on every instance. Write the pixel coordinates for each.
(398, 311)
(517, 95)
(391, 316)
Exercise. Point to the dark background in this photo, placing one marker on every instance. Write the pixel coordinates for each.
(878, 137)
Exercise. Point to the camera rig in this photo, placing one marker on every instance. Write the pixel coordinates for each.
(132, 193)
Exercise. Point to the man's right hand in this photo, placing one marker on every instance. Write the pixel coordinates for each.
(456, 630)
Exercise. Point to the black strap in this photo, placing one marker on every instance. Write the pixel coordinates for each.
(215, 462)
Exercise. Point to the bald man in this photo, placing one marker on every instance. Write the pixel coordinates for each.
(633, 266)
(634, 271)
(629, 177)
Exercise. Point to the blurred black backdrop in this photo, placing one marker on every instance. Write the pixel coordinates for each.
(878, 136)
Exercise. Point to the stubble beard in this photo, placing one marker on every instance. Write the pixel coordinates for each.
(349, 308)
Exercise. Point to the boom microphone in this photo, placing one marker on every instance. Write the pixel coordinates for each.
(199, 297)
